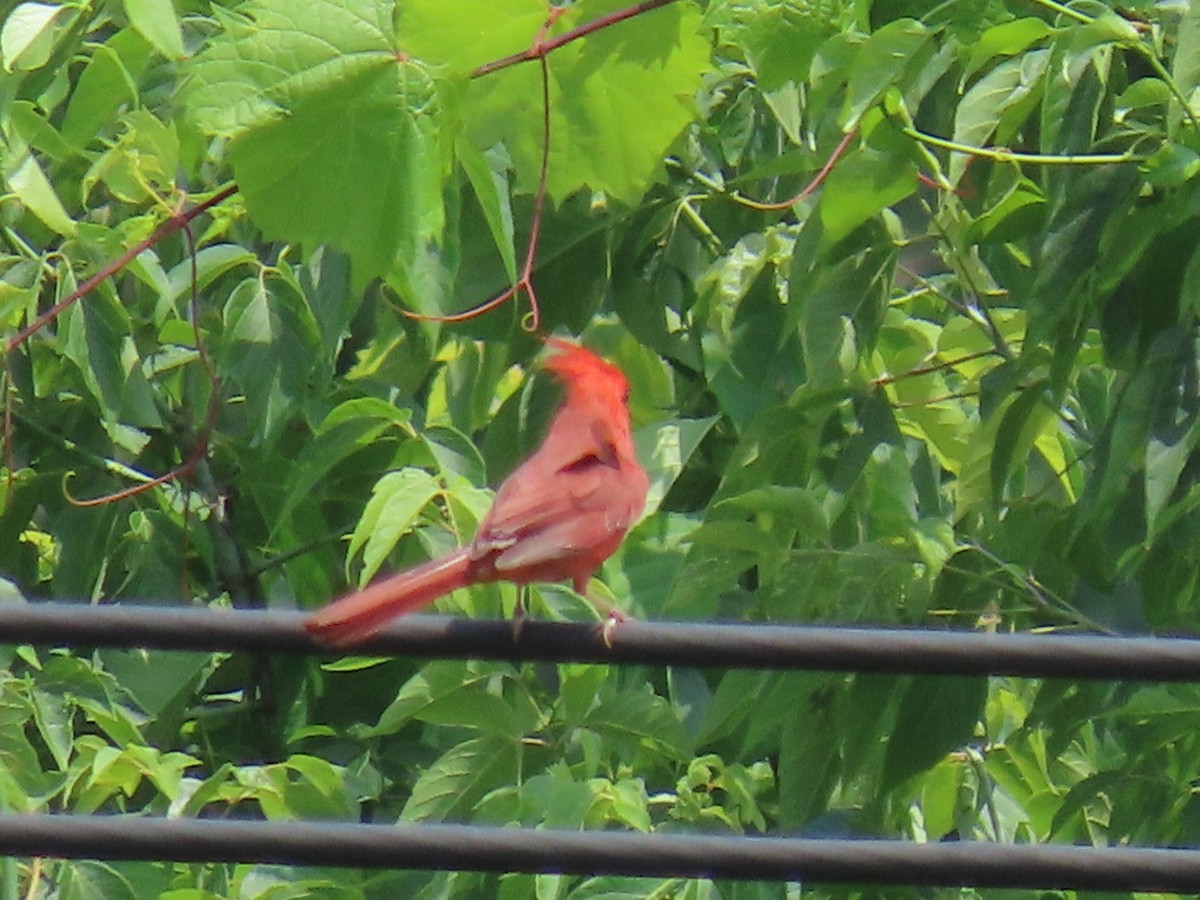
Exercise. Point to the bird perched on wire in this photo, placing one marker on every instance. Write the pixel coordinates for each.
(558, 516)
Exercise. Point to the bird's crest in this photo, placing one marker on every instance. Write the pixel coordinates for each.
(573, 364)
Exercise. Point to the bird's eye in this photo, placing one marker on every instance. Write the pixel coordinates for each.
(625, 394)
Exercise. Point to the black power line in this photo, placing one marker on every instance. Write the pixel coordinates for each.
(726, 645)
(446, 847)
(486, 849)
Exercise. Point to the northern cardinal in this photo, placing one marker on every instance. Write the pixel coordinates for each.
(559, 515)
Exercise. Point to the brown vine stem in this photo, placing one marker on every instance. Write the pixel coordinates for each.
(539, 49)
(931, 369)
(808, 188)
(177, 222)
(10, 461)
(200, 450)
(167, 228)
(525, 282)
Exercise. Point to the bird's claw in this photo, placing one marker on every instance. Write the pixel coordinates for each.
(519, 617)
(615, 618)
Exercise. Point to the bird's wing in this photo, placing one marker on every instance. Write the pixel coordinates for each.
(565, 508)
(535, 498)
(557, 550)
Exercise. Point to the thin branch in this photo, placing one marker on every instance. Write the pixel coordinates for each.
(1043, 597)
(808, 189)
(200, 450)
(930, 401)
(525, 282)
(1000, 154)
(166, 229)
(932, 368)
(539, 49)
(94, 460)
(10, 460)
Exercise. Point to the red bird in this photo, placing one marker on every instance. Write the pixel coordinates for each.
(559, 515)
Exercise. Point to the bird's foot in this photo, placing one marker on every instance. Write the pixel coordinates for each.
(611, 624)
(519, 616)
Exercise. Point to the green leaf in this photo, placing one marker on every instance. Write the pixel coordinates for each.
(349, 427)
(210, 262)
(1172, 165)
(270, 58)
(482, 710)
(553, 799)
(436, 680)
(336, 138)
(837, 307)
(27, 37)
(640, 715)
(454, 454)
(143, 162)
(96, 338)
(459, 42)
(1099, 786)
(881, 61)
(630, 805)
(34, 128)
(1006, 39)
(1185, 66)
(924, 407)
(1167, 453)
(940, 792)
(1070, 115)
(1127, 435)
(936, 715)
(87, 880)
(665, 449)
(157, 678)
(619, 132)
(1019, 207)
(381, 213)
(489, 181)
(268, 349)
(860, 186)
(156, 21)
(396, 503)
(321, 790)
(52, 714)
(107, 82)
(1081, 205)
(1023, 422)
(207, 791)
(808, 745)
(454, 783)
(779, 37)
(617, 99)
(979, 114)
(743, 537)
(25, 178)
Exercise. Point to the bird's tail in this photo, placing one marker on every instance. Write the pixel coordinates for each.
(359, 615)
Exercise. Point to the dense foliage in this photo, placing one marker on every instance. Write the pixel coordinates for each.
(954, 381)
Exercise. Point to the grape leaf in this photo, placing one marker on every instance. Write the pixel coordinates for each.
(618, 97)
(335, 135)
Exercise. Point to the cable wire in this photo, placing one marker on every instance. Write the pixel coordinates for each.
(450, 847)
(489, 849)
(725, 645)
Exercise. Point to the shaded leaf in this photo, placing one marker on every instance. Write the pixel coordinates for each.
(936, 715)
